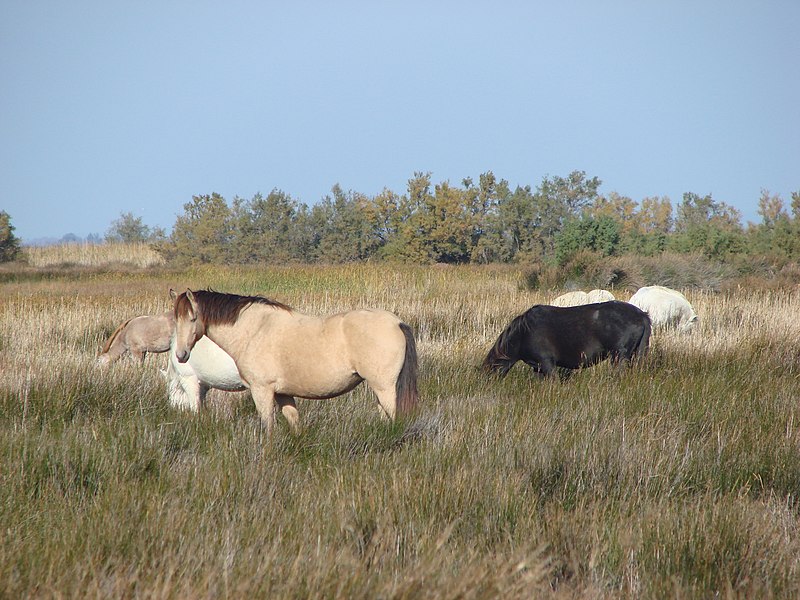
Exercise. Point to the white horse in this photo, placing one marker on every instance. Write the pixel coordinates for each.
(208, 367)
(596, 296)
(576, 298)
(579, 298)
(668, 308)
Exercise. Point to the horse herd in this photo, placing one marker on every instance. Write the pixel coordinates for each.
(232, 342)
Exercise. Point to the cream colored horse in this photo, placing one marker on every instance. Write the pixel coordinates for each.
(282, 354)
(139, 336)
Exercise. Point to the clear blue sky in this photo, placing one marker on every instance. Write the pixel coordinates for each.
(111, 107)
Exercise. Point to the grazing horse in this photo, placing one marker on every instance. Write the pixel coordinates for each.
(668, 308)
(578, 297)
(139, 336)
(281, 353)
(575, 298)
(550, 337)
(600, 296)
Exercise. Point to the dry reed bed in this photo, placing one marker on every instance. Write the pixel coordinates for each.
(140, 255)
(678, 477)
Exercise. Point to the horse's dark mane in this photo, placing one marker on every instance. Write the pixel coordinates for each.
(218, 308)
(509, 335)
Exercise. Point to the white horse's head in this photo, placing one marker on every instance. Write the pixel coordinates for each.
(189, 325)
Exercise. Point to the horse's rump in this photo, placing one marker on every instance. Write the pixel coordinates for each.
(114, 335)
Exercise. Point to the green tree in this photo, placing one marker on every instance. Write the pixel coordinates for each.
(778, 233)
(451, 225)
(483, 201)
(9, 243)
(650, 228)
(559, 199)
(443, 226)
(601, 235)
(346, 233)
(513, 231)
(796, 205)
(411, 241)
(128, 229)
(202, 234)
(386, 213)
(707, 226)
(265, 230)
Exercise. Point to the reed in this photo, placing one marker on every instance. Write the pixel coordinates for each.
(86, 254)
(678, 477)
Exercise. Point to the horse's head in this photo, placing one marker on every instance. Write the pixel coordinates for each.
(189, 324)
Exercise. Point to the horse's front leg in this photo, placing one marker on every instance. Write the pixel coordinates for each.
(264, 399)
(184, 390)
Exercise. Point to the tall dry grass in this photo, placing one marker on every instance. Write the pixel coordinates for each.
(86, 254)
(677, 478)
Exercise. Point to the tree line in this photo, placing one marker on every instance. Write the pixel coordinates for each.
(483, 221)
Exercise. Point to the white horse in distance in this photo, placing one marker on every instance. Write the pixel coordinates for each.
(668, 308)
(579, 298)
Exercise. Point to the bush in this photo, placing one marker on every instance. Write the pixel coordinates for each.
(9, 243)
(587, 270)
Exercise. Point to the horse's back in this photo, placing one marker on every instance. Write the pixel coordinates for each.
(150, 333)
(598, 295)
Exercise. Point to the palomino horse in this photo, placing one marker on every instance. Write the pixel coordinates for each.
(139, 336)
(282, 354)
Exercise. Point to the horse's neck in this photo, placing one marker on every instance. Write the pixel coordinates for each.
(233, 338)
(227, 337)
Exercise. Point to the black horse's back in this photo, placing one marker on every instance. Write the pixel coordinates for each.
(550, 337)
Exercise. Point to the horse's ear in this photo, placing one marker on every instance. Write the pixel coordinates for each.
(173, 294)
(192, 300)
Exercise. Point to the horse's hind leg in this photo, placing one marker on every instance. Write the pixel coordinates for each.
(289, 411)
(387, 400)
(114, 353)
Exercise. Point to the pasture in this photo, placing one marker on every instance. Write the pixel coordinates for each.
(677, 478)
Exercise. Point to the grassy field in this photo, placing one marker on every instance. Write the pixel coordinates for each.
(678, 478)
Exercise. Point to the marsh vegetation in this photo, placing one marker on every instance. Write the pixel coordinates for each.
(679, 477)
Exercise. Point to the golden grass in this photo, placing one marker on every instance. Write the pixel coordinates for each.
(139, 255)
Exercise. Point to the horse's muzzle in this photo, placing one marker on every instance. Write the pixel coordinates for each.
(182, 356)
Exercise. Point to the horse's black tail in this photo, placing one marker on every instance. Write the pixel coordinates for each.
(406, 387)
(644, 341)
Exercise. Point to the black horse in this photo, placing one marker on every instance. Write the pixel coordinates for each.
(550, 337)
